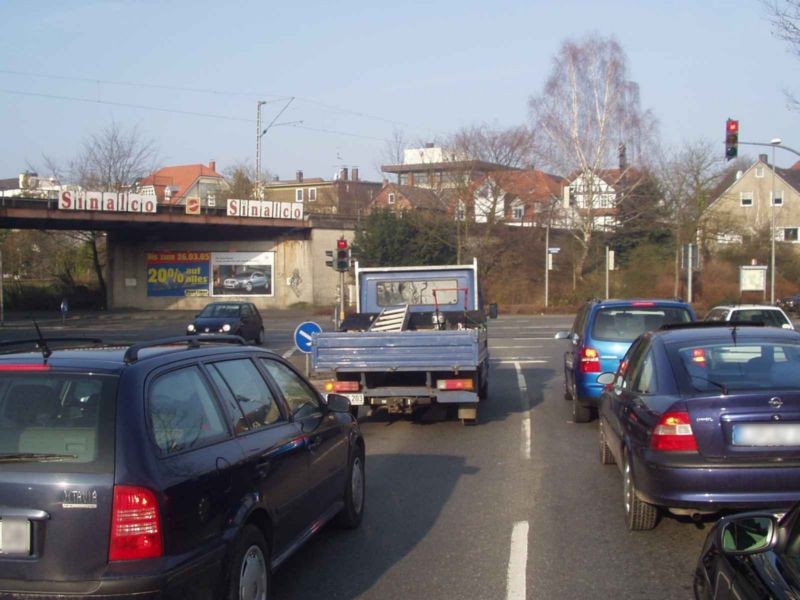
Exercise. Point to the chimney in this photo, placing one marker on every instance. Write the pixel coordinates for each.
(429, 145)
(344, 174)
(623, 159)
(299, 177)
(276, 178)
(355, 173)
(763, 158)
(212, 165)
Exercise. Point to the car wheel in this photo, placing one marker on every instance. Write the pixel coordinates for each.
(259, 339)
(639, 516)
(354, 493)
(250, 576)
(248, 286)
(606, 458)
(580, 413)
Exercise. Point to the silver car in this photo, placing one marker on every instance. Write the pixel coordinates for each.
(246, 281)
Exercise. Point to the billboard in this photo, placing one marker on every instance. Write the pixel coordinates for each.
(107, 202)
(178, 274)
(753, 279)
(242, 273)
(265, 209)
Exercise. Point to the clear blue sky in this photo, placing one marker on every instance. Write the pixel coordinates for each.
(425, 68)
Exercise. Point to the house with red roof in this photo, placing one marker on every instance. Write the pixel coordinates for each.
(173, 185)
(521, 198)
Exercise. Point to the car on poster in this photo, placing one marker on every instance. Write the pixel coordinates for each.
(242, 273)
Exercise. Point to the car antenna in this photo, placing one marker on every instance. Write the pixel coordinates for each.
(42, 343)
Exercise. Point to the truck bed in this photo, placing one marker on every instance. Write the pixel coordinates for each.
(449, 350)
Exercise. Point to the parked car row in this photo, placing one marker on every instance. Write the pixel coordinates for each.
(186, 467)
(700, 417)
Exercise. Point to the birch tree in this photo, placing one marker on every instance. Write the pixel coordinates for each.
(587, 108)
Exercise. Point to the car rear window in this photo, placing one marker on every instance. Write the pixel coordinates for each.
(771, 318)
(730, 366)
(220, 310)
(626, 323)
(57, 422)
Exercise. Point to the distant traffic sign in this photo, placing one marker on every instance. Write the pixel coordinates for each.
(304, 334)
(554, 250)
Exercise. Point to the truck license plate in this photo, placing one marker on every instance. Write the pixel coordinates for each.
(355, 399)
(767, 434)
(15, 536)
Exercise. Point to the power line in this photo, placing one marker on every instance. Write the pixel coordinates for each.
(277, 98)
(356, 135)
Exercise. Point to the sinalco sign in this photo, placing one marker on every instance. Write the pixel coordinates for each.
(107, 202)
(265, 209)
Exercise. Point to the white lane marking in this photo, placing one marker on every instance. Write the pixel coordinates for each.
(514, 360)
(289, 352)
(525, 347)
(517, 562)
(527, 339)
(526, 417)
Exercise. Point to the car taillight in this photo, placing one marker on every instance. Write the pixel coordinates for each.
(345, 386)
(135, 524)
(454, 384)
(674, 433)
(699, 357)
(589, 360)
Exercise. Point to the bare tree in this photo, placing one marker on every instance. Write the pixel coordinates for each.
(586, 110)
(785, 18)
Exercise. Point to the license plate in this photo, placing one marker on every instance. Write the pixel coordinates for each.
(767, 434)
(15, 536)
(355, 399)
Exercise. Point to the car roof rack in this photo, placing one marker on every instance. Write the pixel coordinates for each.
(192, 341)
(707, 324)
(40, 342)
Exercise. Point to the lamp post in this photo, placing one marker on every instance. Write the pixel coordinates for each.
(260, 133)
(774, 142)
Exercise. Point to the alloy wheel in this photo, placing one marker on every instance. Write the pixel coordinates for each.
(253, 575)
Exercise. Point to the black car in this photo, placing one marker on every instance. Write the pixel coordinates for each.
(179, 468)
(790, 304)
(235, 318)
(751, 556)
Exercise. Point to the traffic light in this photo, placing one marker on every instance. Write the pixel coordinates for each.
(342, 259)
(731, 139)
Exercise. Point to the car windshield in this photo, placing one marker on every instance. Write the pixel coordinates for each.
(60, 422)
(731, 366)
(626, 323)
(771, 318)
(221, 310)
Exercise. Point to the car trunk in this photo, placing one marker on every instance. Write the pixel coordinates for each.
(56, 477)
(747, 426)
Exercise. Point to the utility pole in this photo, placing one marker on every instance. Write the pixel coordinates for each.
(689, 272)
(258, 148)
(607, 266)
(547, 264)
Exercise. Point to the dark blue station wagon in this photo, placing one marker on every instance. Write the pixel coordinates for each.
(182, 468)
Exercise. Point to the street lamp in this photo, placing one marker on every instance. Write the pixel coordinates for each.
(773, 142)
(260, 133)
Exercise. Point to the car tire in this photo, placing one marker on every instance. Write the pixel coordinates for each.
(259, 339)
(606, 458)
(639, 515)
(250, 575)
(580, 413)
(355, 492)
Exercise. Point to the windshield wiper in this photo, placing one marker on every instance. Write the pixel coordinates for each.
(34, 457)
(719, 385)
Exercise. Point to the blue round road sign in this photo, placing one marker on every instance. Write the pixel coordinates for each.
(303, 335)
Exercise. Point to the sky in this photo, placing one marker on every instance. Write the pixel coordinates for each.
(189, 75)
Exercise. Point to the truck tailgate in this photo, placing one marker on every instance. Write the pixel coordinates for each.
(399, 351)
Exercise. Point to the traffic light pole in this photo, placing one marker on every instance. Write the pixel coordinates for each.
(341, 296)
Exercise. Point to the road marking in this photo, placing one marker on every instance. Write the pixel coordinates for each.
(526, 406)
(517, 562)
(511, 347)
(516, 359)
(289, 352)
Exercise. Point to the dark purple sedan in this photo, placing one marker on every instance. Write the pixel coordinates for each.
(701, 418)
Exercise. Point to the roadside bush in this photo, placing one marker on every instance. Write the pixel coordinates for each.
(20, 297)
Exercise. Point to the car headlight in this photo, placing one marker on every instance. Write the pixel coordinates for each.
(226, 327)
(190, 328)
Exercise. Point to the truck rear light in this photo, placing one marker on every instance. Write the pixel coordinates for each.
(345, 386)
(455, 384)
(674, 433)
(589, 360)
(135, 524)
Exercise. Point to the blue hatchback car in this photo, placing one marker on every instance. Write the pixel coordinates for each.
(601, 335)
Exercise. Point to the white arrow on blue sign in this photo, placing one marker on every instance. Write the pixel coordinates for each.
(304, 334)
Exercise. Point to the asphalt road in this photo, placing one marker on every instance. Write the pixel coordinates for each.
(515, 507)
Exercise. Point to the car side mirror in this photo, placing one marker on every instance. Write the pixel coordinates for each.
(338, 403)
(748, 534)
(606, 378)
(563, 335)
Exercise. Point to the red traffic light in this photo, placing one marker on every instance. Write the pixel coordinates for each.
(732, 126)
(341, 244)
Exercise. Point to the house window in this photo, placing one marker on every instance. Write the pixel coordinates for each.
(746, 198)
(759, 172)
(516, 213)
(391, 198)
(790, 234)
(312, 194)
(420, 179)
(298, 195)
(778, 200)
(403, 179)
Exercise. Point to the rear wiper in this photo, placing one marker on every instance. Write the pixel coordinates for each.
(719, 385)
(33, 457)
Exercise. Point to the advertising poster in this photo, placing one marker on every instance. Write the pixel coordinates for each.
(178, 274)
(242, 273)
